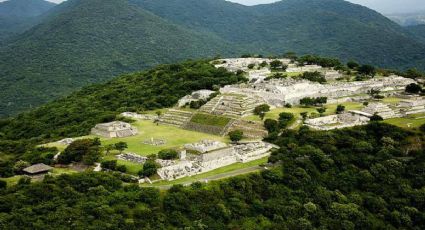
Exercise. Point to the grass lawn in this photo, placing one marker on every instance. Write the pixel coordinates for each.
(174, 137)
(407, 122)
(297, 110)
(132, 168)
(225, 169)
(391, 100)
(208, 119)
(11, 180)
(59, 171)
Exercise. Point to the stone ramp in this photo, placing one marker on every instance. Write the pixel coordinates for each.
(174, 117)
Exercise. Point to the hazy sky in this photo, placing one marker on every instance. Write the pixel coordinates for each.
(383, 6)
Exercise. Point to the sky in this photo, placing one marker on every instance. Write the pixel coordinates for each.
(382, 6)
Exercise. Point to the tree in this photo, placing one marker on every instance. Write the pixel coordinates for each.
(422, 128)
(79, 150)
(251, 66)
(368, 70)
(168, 154)
(304, 115)
(261, 110)
(352, 65)
(321, 110)
(376, 117)
(149, 168)
(271, 125)
(109, 148)
(122, 168)
(236, 135)
(413, 88)
(314, 77)
(340, 109)
(20, 165)
(121, 146)
(111, 165)
(414, 73)
(285, 119)
(275, 64)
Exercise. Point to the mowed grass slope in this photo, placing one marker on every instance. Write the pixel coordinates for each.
(174, 137)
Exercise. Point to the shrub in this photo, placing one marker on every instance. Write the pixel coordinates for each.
(168, 154)
(236, 135)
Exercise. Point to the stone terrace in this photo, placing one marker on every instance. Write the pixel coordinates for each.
(233, 105)
(174, 117)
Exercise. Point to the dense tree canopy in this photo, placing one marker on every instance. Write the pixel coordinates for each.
(368, 177)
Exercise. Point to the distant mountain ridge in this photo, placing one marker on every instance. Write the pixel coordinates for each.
(16, 16)
(81, 42)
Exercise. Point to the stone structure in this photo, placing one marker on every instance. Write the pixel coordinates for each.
(380, 109)
(232, 105)
(412, 106)
(195, 96)
(132, 157)
(174, 117)
(37, 169)
(66, 141)
(305, 68)
(205, 146)
(138, 116)
(278, 92)
(235, 64)
(217, 158)
(114, 129)
(155, 142)
(338, 121)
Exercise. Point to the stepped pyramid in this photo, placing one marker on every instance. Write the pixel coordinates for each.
(174, 117)
(232, 105)
(382, 110)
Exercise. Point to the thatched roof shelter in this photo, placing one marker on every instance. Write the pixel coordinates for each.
(37, 169)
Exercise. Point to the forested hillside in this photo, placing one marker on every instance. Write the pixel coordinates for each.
(84, 42)
(76, 114)
(326, 27)
(363, 178)
(418, 31)
(16, 16)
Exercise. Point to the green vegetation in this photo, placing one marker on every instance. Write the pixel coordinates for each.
(304, 26)
(16, 16)
(173, 136)
(314, 77)
(111, 37)
(368, 177)
(236, 135)
(168, 154)
(159, 87)
(108, 38)
(85, 150)
(208, 119)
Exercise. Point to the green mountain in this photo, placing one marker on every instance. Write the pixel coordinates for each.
(76, 114)
(83, 42)
(16, 16)
(418, 31)
(325, 27)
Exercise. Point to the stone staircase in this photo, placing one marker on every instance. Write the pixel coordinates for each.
(251, 129)
(231, 105)
(174, 117)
